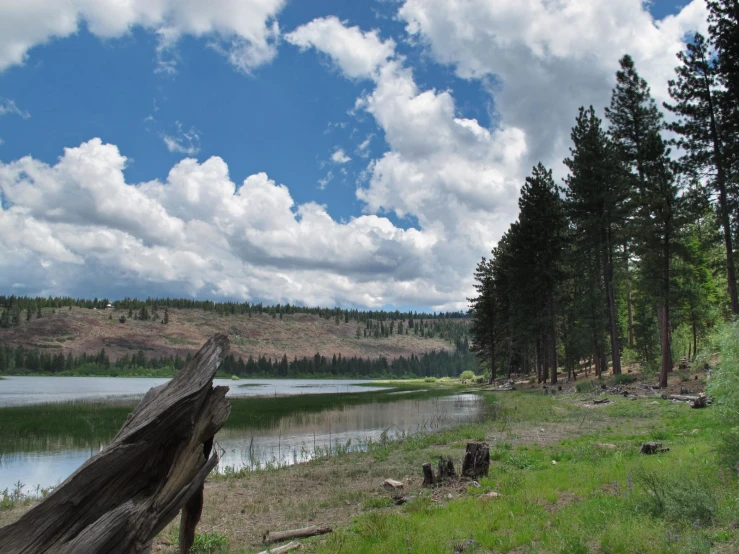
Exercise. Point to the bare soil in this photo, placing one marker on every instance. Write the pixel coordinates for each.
(298, 335)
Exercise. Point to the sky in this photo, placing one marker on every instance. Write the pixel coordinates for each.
(323, 152)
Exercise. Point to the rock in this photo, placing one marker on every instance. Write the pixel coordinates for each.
(491, 494)
(392, 484)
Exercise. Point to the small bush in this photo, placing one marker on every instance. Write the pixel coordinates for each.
(623, 379)
(430, 380)
(677, 497)
(122, 319)
(467, 375)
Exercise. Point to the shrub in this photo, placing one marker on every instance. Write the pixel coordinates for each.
(122, 319)
(623, 379)
(677, 497)
(430, 380)
(467, 375)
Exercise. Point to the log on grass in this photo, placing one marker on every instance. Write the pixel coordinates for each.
(476, 460)
(279, 536)
(156, 465)
(682, 397)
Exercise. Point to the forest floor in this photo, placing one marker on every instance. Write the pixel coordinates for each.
(79, 330)
(567, 472)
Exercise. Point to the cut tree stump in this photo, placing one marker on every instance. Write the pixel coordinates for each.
(476, 460)
(445, 469)
(700, 402)
(428, 475)
(121, 498)
(279, 536)
(652, 448)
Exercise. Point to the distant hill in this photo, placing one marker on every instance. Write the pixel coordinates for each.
(82, 330)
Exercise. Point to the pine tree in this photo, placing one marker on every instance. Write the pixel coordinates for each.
(166, 316)
(483, 311)
(636, 124)
(702, 135)
(597, 190)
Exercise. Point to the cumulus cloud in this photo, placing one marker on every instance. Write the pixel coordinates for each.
(78, 226)
(548, 58)
(244, 30)
(340, 157)
(357, 53)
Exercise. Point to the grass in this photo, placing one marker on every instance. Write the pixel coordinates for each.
(594, 499)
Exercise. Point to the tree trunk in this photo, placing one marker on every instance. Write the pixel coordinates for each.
(629, 305)
(610, 297)
(665, 330)
(120, 499)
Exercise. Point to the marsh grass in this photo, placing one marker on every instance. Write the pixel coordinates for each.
(56, 425)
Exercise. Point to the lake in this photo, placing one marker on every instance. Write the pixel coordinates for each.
(17, 391)
(42, 444)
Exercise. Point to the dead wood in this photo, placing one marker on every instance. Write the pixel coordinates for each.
(279, 536)
(121, 498)
(652, 448)
(700, 402)
(428, 475)
(476, 460)
(282, 549)
(445, 469)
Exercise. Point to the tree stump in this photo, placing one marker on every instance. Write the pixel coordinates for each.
(445, 469)
(652, 448)
(121, 498)
(476, 460)
(700, 402)
(428, 475)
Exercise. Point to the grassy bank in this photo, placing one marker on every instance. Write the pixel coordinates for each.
(569, 475)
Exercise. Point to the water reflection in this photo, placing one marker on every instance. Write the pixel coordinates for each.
(291, 439)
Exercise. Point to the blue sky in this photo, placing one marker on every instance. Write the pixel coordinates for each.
(384, 141)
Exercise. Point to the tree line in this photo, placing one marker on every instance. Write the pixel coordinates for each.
(15, 307)
(632, 255)
(18, 359)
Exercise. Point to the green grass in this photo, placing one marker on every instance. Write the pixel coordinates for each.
(594, 499)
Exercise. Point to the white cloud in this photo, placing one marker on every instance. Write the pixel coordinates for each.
(548, 58)
(357, 53)
(245, 30)
(9, 107)
(182, 142)
(77, 226)
(340, 157)
(363, 148)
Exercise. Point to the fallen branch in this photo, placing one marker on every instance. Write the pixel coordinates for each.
(282, 549)
(295, 534)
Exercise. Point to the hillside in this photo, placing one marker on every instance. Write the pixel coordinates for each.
(79, 330)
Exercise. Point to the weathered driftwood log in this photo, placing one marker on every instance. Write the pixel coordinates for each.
(120, 499)
(428, 475)
(476, 460)
(282, 549)
(652, 448)
(445, 469)
(279, 536)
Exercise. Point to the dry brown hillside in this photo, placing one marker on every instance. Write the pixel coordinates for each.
(82, 330)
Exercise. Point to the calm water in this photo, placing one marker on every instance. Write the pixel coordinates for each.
(17, 391)
(294, 438)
